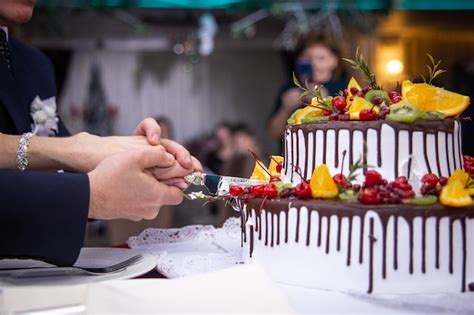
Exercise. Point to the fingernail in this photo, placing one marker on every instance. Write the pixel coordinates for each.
(170, 158)
(155, 138)
(182, 186)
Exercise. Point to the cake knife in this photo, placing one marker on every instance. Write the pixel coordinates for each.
(218, 185)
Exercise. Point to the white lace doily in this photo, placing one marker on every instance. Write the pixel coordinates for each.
(192, 249)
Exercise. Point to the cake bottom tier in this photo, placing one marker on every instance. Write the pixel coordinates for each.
(353, 247)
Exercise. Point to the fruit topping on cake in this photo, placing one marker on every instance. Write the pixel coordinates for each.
(417, 101)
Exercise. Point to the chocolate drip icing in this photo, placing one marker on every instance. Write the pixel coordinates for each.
(450, 171)
(287, 134)
(297, 236)
(328, 209)
(338, 245)
(308, 229)
(455, 161)
(266, 228)
(349, 243)
(315, 147)
(324, 144)
(395, 242)
(438, 165)
(278, 230)
(425, 152)
(395, 165)
(361, 241)
(272, 230)
(306, 160)
(423, 245)
(451, 269)
(328, 234)
(410, 152)
(336, 149)
(437, 243)
(371, 256)
(410, 238)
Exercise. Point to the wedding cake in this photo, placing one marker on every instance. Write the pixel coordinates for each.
(373, 193)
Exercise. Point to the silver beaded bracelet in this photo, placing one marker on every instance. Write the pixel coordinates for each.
(22, 152)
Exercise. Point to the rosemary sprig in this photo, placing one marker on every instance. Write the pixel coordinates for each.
(358, 165)
(312, 91)
(361, 65)
(433, 70)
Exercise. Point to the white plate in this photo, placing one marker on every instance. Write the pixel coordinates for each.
(89, 256)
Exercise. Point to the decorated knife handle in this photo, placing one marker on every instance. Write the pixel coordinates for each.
(196, 178)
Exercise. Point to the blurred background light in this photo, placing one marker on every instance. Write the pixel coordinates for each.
(394, 66)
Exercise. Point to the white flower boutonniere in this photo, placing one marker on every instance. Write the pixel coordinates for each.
(45, 117)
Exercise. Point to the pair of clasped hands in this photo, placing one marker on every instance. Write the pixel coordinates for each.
(133, 177)
(129, 177)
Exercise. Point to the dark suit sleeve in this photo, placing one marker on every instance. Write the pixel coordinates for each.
(43, 215)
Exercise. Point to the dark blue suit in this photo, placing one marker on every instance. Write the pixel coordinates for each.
(42, 215)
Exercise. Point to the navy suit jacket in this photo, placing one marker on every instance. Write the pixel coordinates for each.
(42, 215)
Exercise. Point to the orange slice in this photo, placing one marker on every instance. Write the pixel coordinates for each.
(459, 175)
(454, 195)
(359, 104)
(307, 112)
(322, 185)
(260, 172)
(431, 98)
(273, 165)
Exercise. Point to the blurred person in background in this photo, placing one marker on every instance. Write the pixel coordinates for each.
(221, 147)
(318, 61)
(241, 163)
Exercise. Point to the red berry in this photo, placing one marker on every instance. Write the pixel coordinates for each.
(372, 177)
(367, 115)
(327, 112)
(339, 102)
(430, 180)
(401, 179)
(340, 180)
(469, 164)
(393, 94)
(351, 98)
(334, 116)
(443, 180)
(257, 190)
(369, 196)
(270, 191)
(403, 186)
(356, 187)
(396, 99)
(275, 179)
(344, 117)
(303, 190)
(354, 90)
(345, 93)
(236, 191)
(366, 89)
(377, 100)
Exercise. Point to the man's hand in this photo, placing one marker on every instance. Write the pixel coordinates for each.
(184, 158)
(122, 187)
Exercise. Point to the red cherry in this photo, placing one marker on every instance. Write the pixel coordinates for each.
(393, 94)
(327, 112)
(236, 191)
(370, 197)
(372, 177)
(339, 102)
(367, 115)
(257, 190)
(344, 117)
(402, 186)
(430, 180)
(334, 116)
(270, 191)
(303, 190)
(340, 180)
(377, 100)
(443, 180)
(275, 179)
(396, 99)
(354, 90)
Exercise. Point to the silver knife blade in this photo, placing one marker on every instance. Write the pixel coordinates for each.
(218, 185)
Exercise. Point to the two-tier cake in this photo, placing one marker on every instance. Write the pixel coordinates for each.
(371, 194)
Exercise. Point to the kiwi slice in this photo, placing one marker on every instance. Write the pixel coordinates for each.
(348, 196)
(372, 93)
(282, 186)
(314, 120)
(432, 116)
(404, 113)
(421, 201)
